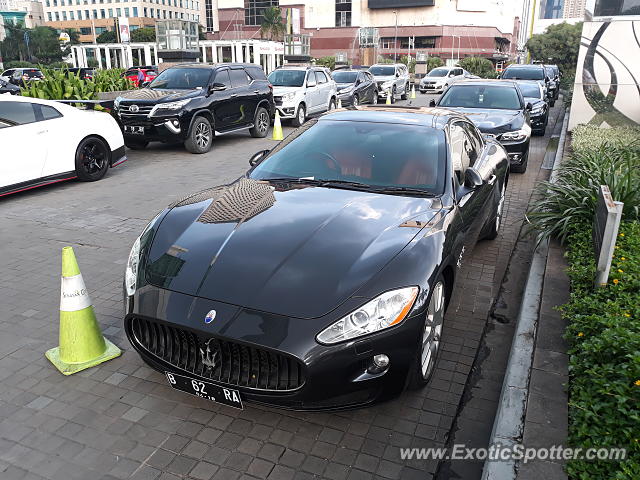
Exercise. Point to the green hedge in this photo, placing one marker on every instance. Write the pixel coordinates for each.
(590, 137)
(604, 366)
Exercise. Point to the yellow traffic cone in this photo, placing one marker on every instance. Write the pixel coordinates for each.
(277, 128)
(81, 342)
(339, 103)
(388, 97)
(413, 91)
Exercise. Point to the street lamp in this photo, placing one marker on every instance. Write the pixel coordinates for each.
(395, 40)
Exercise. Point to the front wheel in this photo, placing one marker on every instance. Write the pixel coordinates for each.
(332, 104)
(356, 101)
(301, 116)
(429, 345)
(374, 101)
(494, 226)
(200, 139)
(405, 94)
(92, 159)
(260, 124)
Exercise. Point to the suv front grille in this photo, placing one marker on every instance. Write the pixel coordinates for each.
(125, 110)
(233, 363)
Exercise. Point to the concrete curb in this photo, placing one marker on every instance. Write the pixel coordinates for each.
(508, 425)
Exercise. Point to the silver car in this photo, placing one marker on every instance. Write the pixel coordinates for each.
(392, 79)
(438, 79)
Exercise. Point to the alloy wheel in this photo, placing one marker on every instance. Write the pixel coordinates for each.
(263, 121)
(375, 98)
(94, 157)
(301, 115)
(500, 207)
(432, 330)
(355, 101)
(203, 135)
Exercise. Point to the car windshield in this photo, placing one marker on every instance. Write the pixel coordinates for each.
(531, 90)
(345, 77)
(287, 78)
(33, 73)
(438, 72)
(367, 154)
(481, 96)
(383, 71)
(524, 73)
(182, 79)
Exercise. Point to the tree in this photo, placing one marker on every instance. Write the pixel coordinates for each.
(272, 25)
(328, 62)
(107, 36)
(479, 66)
(201, 33)
(74, 35)
(559, 45)
(146, 34)
(434, 62)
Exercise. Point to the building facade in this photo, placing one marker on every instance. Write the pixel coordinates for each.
(574, 8)
(449, 29)
(92, 17)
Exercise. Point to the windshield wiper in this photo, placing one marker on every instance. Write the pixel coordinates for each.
(345, 183)
(410, 190)
(290, 180)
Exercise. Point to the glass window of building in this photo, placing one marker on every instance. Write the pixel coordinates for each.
(254, 10)
(49, 16)
(135, 11)
(126, 12)
(343, 13)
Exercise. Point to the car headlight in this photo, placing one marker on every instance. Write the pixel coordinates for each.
(116, 102)
(177, 105)
(537, 111)
(387, 85)
(517, 135)
(345, 90)
(287, 97)
(131, 272)
(382, 312)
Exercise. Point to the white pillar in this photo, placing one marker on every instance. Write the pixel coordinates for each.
(203, 51)
(107, 57)
(247, 52)
(147, 55)
(214, 53)
(256, 55)
(239, 56)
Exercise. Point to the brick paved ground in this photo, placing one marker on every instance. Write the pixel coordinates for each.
(121, 420)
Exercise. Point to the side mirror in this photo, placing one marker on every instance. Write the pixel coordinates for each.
(472, 178)
(397, 74)
(256, 158)
(528, 107)
(217, 87)
(547, 79)
(432, 103)
(145, 84)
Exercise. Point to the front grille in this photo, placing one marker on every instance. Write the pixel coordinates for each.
(234, 363)
(143, 110)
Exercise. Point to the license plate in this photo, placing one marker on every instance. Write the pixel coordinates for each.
(208, 390)
(136, 130)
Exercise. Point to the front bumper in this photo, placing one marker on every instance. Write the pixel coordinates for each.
(287, 111)
(538, 122)
(433, 88)
(335, 377)
(517, 151)
(346, 98)
(167, 129)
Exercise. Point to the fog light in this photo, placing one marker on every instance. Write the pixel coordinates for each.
(176, 123)
(379, 363)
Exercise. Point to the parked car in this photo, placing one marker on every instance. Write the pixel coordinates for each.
(355, 87)
(553, 72)
(45, 142)
(6, 87)
(438, 79)
(320, 278)
(149, 72)
(192, 103)
(83, 73)
(497, 108)
(534, 94)
(300, 91)
(20, 76)
(535, 72)
(392, 79)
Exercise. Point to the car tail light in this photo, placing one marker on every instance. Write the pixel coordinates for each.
(270, 87)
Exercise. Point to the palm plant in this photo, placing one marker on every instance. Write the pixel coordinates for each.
(272, 25)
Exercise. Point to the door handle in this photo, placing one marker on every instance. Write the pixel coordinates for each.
(256, 91)
(492, 179)
(233, 95)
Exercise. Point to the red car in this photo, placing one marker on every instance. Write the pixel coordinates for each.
(148, 72)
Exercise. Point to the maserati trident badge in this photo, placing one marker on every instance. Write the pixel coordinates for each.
(210, 355)
(210, 316)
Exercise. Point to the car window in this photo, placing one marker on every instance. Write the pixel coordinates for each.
(177, 78)
(48, 112)
(458, 71)
(524, 73)
(438, 72)
(239, 78)
(223, 78)
(460, 146)
(311, 79)
(17, 113)
(364, 152)
(382, 71)
(256, 73)
(287, 78)
(7, 73)
(531, 90)
(321, 77)
(344, 77)
(481, 96)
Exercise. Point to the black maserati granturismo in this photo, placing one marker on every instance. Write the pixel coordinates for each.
(320, 278)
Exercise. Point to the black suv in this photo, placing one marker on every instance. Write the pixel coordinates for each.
(192, 103)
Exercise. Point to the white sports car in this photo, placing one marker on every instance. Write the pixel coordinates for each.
(43, 142)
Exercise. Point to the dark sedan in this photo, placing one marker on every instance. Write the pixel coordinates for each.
(533, 93)
(319, 280)
(355, 87)
(6, 87)
(498, 108)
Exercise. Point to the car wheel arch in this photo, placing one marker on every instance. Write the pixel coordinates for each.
(99, 137)
(201, 113)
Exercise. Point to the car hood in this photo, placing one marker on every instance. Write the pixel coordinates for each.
(384, 78)
(493, 121)
(298, 251)
(534, 101)
(280, 91)
(156, 94)
(344, 85)
(433, 79)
